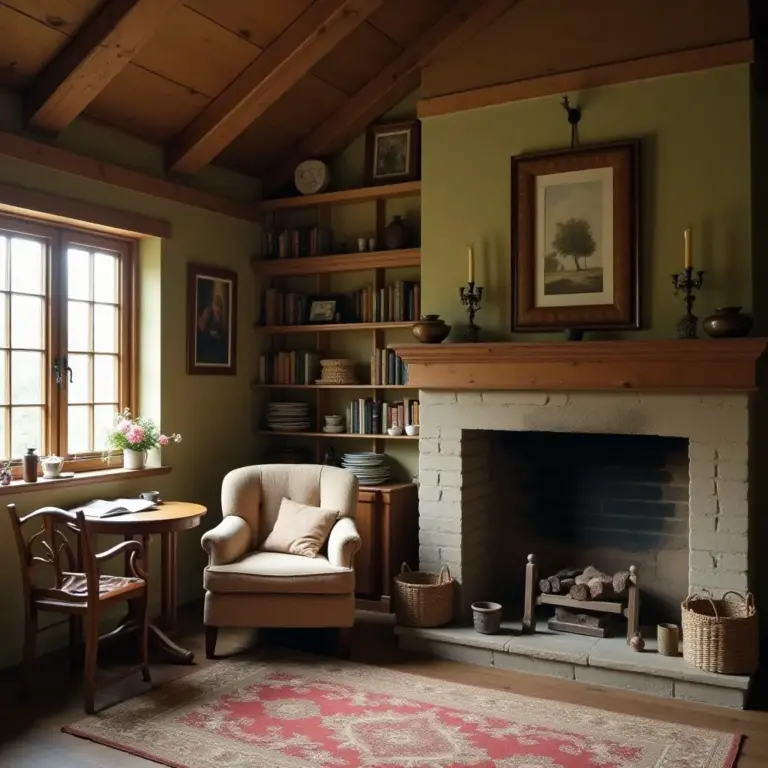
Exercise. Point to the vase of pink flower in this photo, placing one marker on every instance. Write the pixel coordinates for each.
(134, 437)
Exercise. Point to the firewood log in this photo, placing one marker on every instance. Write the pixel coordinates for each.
(599, 589)
(554, 582)
(544, 586)
(579, 592)
(620, 582)
(565, 585)
(568, 573)
(590, 572)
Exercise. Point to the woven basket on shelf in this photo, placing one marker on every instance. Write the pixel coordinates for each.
(423, 599)
(721, 635)
(337, 372)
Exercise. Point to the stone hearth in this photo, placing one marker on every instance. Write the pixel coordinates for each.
(697, 392)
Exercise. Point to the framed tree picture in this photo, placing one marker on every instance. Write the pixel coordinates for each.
(575, 238)
(211, 320)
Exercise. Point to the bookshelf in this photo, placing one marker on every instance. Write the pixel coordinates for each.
(314, 275)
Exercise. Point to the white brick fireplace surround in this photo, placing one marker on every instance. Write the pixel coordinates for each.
(717, 427)
(702, 391)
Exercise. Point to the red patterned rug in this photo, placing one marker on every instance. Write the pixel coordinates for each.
(315, 712)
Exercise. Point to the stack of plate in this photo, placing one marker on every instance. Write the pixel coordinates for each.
(288, 417)
(370, 468)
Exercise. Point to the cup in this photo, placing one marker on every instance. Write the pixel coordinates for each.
(153, 496)
(668, 638)
(334, 420)
(371, 243)
(362, 244)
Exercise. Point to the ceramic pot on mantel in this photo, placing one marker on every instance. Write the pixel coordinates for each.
(431, 329)
(727, 323)
(134, 459)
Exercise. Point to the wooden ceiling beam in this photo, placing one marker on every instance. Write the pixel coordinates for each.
(93, 58)
(454, 27)
(307, 40)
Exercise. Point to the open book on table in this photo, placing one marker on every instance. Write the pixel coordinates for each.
(100, 508)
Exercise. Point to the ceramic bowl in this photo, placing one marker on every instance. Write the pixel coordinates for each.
(333, 420)
(395, 431)
(412, 429)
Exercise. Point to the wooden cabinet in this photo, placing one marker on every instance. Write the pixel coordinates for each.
(388, 522)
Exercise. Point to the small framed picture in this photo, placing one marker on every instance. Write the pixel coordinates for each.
(211, 320)
(392, 152)
(322, 311)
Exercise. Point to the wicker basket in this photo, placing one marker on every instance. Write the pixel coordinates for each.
(423, 599)
(721, 635)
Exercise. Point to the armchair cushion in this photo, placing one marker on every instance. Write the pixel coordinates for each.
(274, 572)
(228, 541)
(300, 529)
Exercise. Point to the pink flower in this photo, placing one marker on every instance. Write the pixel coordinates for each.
(134, 434)
(163, 440)
(122, 425)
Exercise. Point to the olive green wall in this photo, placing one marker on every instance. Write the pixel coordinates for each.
(213, 413)
(695, 132)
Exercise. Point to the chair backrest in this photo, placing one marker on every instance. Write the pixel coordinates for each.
(48, 549)
(255, 493)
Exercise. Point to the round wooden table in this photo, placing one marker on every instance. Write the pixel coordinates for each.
(167, 520)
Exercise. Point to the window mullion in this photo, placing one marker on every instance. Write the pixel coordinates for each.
(58, 345)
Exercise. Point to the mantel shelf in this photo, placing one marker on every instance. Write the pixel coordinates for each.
(700, 365)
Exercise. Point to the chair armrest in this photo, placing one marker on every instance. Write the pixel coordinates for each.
(136, 560)
(343, 543)
(228, 541)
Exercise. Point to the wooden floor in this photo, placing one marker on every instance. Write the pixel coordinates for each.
(30, 732)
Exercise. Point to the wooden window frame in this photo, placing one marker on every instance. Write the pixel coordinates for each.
(58, 239)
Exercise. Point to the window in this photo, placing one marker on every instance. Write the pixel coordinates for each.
(66, 339)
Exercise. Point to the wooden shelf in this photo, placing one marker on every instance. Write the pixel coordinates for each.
(341, 196)
(333, 327)
(341, 262)
(345, 435)
(334, 386)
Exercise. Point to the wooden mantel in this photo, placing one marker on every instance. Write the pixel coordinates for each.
(698, 365)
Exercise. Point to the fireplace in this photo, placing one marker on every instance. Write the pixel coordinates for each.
(576, 499)
(598, 453)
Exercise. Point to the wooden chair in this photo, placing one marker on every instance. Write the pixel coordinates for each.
(76, 587)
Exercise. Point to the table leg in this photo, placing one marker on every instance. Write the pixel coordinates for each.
(168, 597)
(168, 601)
(169, 579)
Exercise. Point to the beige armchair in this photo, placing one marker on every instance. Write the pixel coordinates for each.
(245, 587)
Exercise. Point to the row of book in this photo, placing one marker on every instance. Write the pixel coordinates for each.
(373, 417)
(289, 368)
(297, 242)
(285, 308)
(397, 302)
(388, 369)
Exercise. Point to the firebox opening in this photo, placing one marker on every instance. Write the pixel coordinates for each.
(575, 499)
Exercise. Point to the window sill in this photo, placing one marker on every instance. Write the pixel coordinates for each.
(81, 478)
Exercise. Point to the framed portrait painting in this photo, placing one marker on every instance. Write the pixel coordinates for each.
(575, 238)
(392, 152)
(211, 320)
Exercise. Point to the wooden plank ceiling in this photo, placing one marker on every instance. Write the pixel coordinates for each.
(255, 85)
